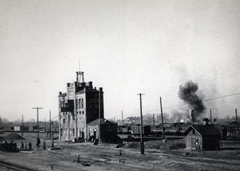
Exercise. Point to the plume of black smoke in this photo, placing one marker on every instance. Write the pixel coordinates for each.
(187, 93)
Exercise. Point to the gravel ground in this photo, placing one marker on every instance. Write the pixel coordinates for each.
(86, 156)
(108, 157)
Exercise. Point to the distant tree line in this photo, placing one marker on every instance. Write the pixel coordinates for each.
(31, 123)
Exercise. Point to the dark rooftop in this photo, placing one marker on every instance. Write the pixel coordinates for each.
(102, 121)
(205, 130)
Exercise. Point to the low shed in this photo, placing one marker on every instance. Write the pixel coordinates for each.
(108, 130)
(202, 137)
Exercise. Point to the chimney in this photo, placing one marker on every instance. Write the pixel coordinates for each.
(210, 116)
(90, 84)
(60, 93)
(100, 89)
(205, 121)
(191, 113)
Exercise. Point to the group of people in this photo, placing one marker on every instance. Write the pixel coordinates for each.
(26, 146)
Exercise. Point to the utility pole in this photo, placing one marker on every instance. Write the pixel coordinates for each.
(163, 136)
(52, 133)
(99, 113)
(153, 120)
(142, 142)
(237, 123)
(236, 114)
(51, 128)
(50, 124)
(122, 117)
(45, 124)
(210, 116)
(22, 125)
(38, 139)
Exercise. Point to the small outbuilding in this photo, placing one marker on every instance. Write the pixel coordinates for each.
(202, 137)
(108, 130)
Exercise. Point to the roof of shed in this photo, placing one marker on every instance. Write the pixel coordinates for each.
(14, 136)
(204, 130)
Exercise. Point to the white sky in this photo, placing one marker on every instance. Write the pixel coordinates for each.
(125, 46)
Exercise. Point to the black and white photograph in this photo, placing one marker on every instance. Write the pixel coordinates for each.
(120, 85)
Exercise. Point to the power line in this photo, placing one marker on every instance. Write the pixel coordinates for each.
(222, 97)
(206, 100)
(169, 107)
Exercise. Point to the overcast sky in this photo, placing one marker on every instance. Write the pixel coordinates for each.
(125, 46)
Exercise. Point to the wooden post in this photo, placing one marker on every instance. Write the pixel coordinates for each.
(142, 141)
(163, 135)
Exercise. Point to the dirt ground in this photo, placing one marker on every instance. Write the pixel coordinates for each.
(89, 157)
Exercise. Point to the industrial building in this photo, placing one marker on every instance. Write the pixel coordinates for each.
(80, 105)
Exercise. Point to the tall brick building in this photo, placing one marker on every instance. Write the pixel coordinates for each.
(80, 105)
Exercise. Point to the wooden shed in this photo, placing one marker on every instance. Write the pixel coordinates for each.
(108, 130)
(202, 137)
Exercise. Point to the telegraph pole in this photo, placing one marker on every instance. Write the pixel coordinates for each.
(22, 124)
(237, 122)
(99, 113)
(50, 124)
(122, 117)
(153, 120)
(236, 115)
(142, 142)
(163, 136)
(38, 140)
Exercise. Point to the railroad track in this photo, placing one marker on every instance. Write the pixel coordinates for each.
(12, 167)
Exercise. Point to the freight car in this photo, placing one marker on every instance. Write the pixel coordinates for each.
(154, 130)
(124, 129)
(136, 130)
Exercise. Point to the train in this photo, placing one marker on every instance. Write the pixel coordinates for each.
(154, 130)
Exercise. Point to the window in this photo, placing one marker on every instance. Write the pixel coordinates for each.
(63, 120)
(73, 132)
(82, 104)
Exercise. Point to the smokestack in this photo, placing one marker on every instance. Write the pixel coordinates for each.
(210, 116)
(205, 121)
(191, 113)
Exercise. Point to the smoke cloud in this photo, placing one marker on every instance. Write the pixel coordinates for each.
(187, 93)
